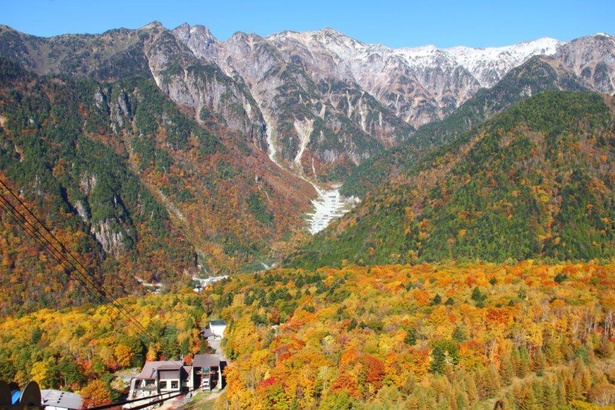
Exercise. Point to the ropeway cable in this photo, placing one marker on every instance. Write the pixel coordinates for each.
(82, 273)
(142, 406)
(60, 256)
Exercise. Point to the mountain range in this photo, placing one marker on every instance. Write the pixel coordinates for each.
(317, 102)
(231, 143)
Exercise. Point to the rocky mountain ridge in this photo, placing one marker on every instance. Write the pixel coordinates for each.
(319, 103)
(418, 85)
(536, 76)
(442, 78)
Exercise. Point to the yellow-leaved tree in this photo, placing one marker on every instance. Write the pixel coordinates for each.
(95, 393)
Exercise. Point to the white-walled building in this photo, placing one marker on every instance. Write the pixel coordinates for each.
(160, 377)
(207, 371)
(217, 328)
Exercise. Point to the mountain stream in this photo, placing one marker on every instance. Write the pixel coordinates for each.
(329, 204)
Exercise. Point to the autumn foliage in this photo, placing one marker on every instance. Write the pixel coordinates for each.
(379, 337)
(80, 348)
(528, 335)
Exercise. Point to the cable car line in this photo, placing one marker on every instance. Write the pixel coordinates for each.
(58, 251)
(148, 404)
(41, 241)
(41, 234)
(96, 290)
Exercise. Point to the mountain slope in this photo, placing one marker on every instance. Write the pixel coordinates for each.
(146, 192)
(537, 75)
(320, 127)
(535, 181)
(83, 190)
(420, 84)
(112, 55)
(592, 59)
(296, 113)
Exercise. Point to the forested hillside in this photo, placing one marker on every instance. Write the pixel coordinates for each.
(82, 189)
(527, 336)
(80, 349)
(537, 181)
(130, 184)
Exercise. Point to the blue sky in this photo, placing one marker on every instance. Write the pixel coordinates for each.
(395, 23)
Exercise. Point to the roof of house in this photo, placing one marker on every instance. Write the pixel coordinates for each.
(63, 399)
(217, 322)
(206, 360)
(170, 374)
(207, 332)
(151, 368)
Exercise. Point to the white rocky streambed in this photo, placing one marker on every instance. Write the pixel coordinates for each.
(329, 205)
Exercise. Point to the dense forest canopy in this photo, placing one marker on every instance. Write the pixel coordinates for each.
(529, 335)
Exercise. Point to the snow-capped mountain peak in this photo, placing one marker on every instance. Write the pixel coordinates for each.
(488, 65)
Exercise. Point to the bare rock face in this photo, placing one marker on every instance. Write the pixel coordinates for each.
(112, 240)
(329, 57)
(199, 40)
(193, 82)
(296, 85)
(593, 60)
(419, 85)
(445, 82)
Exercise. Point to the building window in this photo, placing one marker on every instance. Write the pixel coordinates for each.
(174, 384)
(163, 385)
